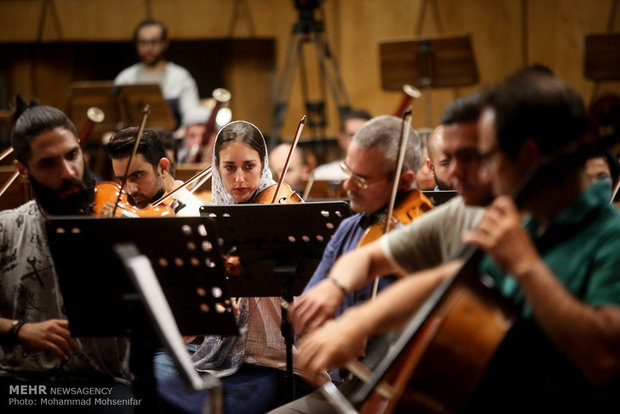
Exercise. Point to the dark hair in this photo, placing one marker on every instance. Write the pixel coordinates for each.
(355, 114)
(243, 132)
(465, 109)
(150, 146)
(31, 120)
(150, 22)
(533, 104)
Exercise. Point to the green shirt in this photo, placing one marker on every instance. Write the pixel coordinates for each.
(582, 248)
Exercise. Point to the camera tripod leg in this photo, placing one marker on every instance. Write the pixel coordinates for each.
(285, 83)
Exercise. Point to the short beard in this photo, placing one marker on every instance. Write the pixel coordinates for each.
(76, 203)
(441, 185)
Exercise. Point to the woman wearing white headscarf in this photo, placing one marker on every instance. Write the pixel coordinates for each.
(251, 366)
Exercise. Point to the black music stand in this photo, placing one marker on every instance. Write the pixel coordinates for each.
(100, 300)
(141, 271)
(279, 247)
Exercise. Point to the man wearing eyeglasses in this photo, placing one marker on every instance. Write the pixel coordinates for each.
(177, 85)
(369, 166)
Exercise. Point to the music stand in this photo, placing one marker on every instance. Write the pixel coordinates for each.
(141, 271)
(133, 99)
(438, 62)
(121, 104)
(100, 300)
(279, 247)
(602, 57)
(101, 94)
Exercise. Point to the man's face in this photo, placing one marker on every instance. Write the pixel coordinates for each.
(193, 135)
(296, 171)
(503, 172)
(351, 126)
(439, 159)
(365, 167)
(460, 146)
(56, 170)
(144, 183)
(597, 167)
(150, 44)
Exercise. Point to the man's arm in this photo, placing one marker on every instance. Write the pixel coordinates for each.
(341, 340)
(411, 248)
(351, 272)
(52, 335)
(588, 336)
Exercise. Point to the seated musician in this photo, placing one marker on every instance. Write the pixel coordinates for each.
(251, 366)
(369, 164)
(560, 268)
(425, 242)
(36, 344)
(149, 176)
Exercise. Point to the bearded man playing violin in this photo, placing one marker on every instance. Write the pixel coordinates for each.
(149, 176)
(36, 343)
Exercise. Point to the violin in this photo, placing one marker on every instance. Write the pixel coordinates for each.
(285, 195)
(106, 194)
(411, 206)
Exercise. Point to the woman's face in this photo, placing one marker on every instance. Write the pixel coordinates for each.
(240, 167)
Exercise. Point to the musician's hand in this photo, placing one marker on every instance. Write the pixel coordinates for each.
(316, 306)
(52, 335)
(332, 345)
(501, 235)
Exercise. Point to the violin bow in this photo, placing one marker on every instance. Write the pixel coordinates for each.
(300, 128)
(200, 177)
(615, 192)
(145, 114)
(6, 153)
(402, 150)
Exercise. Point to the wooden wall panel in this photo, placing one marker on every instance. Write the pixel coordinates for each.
(555, 30)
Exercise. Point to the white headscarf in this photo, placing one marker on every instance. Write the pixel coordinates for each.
(219, 194)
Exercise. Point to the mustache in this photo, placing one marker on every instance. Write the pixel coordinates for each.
(71, 182)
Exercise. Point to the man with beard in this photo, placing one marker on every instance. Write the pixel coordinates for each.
(177, 85)
(36, 344)
(149, 176)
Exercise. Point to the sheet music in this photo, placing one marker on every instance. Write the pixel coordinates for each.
(146, 282)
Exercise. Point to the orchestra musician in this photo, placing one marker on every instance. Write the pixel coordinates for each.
(251, 366)
(351, 123)
(177, 84)
(559, 268)
(298, 169)
(149, 176)
(438, 161)
(36, 345)
(370, 161)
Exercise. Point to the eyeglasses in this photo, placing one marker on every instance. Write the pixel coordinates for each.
(358, 181)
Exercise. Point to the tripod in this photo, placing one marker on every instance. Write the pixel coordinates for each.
(306, 30)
